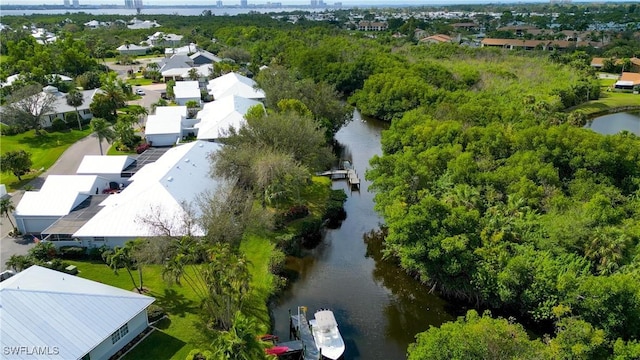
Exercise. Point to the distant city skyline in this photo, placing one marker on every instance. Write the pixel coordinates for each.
(302, 3)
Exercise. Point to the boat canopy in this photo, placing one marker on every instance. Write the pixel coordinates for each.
(325, 320)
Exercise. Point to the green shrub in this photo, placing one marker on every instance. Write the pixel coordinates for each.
(310, 231)
(72, 252)
(155, 313)
(59, 125)
(95, 253)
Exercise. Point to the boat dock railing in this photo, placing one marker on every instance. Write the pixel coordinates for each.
(299, 327)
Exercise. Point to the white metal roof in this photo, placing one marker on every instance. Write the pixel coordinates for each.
(203, 71)
(163, 124)
(217, 116)
(59, 195)
(40, 307)
(48, 203)
(186, 90)
(104, 164)
(171, 110)
(85, 184)
(175, 71)
(160, 189)
(188, 84)
(234, 84)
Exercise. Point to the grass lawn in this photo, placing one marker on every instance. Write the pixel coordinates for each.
(139, 81)
(45, 150)
(609, 101)
(180, 334)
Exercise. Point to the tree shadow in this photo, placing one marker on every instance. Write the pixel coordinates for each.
(176, 304)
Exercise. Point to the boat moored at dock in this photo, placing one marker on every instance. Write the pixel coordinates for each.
(326, 335)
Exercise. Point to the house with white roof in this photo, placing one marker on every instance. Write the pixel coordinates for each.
(185, 91)
(163, 130)
(111, 167)
(60, 106)
(139, 24)
(234, 84)
(67, 317)
(161, 39)
(182, 50)
(218, 116)
(162, 190)
(59, 195)
(132, 49)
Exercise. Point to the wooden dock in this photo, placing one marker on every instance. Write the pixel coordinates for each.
(300, 327)
(338, 174)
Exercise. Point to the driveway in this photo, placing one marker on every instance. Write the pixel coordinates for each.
(67, 164)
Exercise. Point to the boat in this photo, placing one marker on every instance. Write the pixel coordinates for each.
(326, 335)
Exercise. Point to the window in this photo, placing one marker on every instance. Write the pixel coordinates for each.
(98, 238)
(124, 330)
(86, 357)
(115, 337)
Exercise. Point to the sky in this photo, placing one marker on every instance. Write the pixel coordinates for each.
(345, 3)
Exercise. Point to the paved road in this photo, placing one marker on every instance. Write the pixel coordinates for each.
(67, 164)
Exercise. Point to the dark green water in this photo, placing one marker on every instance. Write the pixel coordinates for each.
(378, 307)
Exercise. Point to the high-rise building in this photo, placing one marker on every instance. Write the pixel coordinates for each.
(128, 4)
(314, 3)
(219, 3)
(66, 3)
(243, 3)
(137, 4)
(76, 3)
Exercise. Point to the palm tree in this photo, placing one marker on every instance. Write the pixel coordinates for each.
(241, 340)
(102, 130)
(123, 257)
(194, 74)
(75, 99)
(114, 92)
(6, 207)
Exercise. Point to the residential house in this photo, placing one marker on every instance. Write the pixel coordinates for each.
(522, 44)
(185, 91)
(182, 50)
(203, 57)
(59, 195)
(234, 84)
(161, 39)
(628, 81)
(436, 39)
(598, 63)
(172, 68)
(63, 317)
(466, 26)
(61, 108)
(113, 167)
(218, 116)
(136, 24)
(365, 25)
(132, 49)
(165, 127)
(161, 191)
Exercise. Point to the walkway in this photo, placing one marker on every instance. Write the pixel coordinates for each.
(300, 323)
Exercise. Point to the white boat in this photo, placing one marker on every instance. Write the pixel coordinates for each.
(326, 335)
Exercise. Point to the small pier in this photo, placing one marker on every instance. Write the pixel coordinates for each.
(301, 330)
(345, 172)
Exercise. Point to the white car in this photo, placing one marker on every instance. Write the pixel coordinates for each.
(140, 92)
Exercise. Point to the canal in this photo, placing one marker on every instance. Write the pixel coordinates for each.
(614, 123)
(379, 308)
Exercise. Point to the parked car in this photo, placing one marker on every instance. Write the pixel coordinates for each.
(140, 92)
